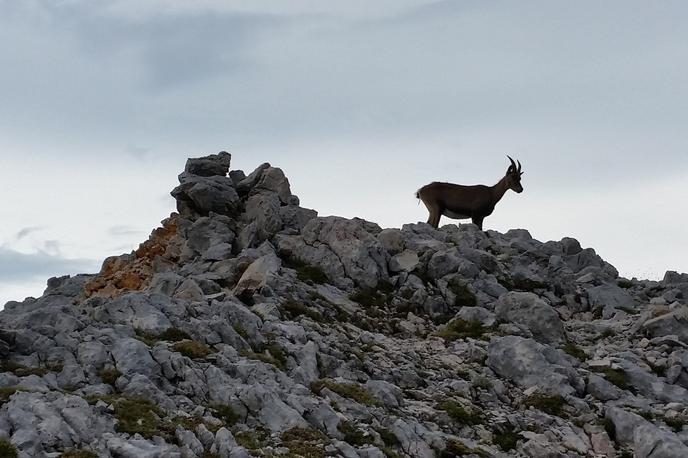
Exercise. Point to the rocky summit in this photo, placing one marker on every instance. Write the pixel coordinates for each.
(246, 325)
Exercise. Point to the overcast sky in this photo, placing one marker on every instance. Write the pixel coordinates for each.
(359, 102)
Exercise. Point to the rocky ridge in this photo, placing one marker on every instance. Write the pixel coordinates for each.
(248, 326)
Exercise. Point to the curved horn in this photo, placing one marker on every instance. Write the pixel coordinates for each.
(519, 166)
(513, 164)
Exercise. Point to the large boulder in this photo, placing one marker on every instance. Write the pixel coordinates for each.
(531, 364)
(532, 312)
(204, 187)
(673, 323)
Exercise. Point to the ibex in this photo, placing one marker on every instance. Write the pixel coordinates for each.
(462, 202)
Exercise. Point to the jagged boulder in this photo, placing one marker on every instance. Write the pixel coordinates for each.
(673, 323)
(531, 364)
(530, 311)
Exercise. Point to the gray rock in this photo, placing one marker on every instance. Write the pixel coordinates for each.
(652, 442)
(479, 314)
(625, 423)
(188, 439)
(529, 363)
(198, 195)
(602, 389)
(214, 164)
(650, 385)
(385, 392)
(257, 275)
(139, 310)
(610, 297)
(139, 448)
(673, 323)
(529, 310)
(405, 261)
(131, 356)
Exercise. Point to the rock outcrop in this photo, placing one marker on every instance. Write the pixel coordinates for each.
(248, 326)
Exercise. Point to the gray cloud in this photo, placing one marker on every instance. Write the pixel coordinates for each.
(17, 266)
(28, 230)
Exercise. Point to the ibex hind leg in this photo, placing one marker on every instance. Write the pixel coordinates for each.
(478, 221)
(435, 214)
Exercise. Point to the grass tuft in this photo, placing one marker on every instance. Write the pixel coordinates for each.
(295, 309)
(304, 442)
(74, 453)
(551, 404)
(353, 435)
(225, 413)
(507, 439)
(575, 351)
(461, 329)
(192, 349)
(464, 296)
(616, 377)
(7, 449)
(459, 414)
(109, 376)
(347, 390)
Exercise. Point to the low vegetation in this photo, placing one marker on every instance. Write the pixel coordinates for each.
(461, 329)
(615, 376)
(20, 370)
(109, 376)
(459, 414)
(7, 449)
(455, 448)
(347, 390)
(75, 453)
(551, 404)
(294, 309)
(575, 351)
(506, 438)
(225, 413)
(354, 435)
(6, 393)
(192, 349)
(137, 415)
(304, 442)
(464, 296)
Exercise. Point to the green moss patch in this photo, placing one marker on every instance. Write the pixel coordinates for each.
(551, 404)
(575, 351)
(615, 376)
(676, 424)
(294, 309)
(137, 415)
(75, 453)
(506, 438)
(7, 392)
(109, 376)
(7, 449)
(307, 273)
(20, 370)
(464, 296)
(348, 390)
(192, 349)
(353, 435)
(225, 413)
(461, 329)
(455, 448)
(459, 414)
(304, 442)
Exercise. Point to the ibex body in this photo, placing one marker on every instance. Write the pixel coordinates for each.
(464, 202)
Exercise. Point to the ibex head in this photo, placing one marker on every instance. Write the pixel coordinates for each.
(513, 176)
